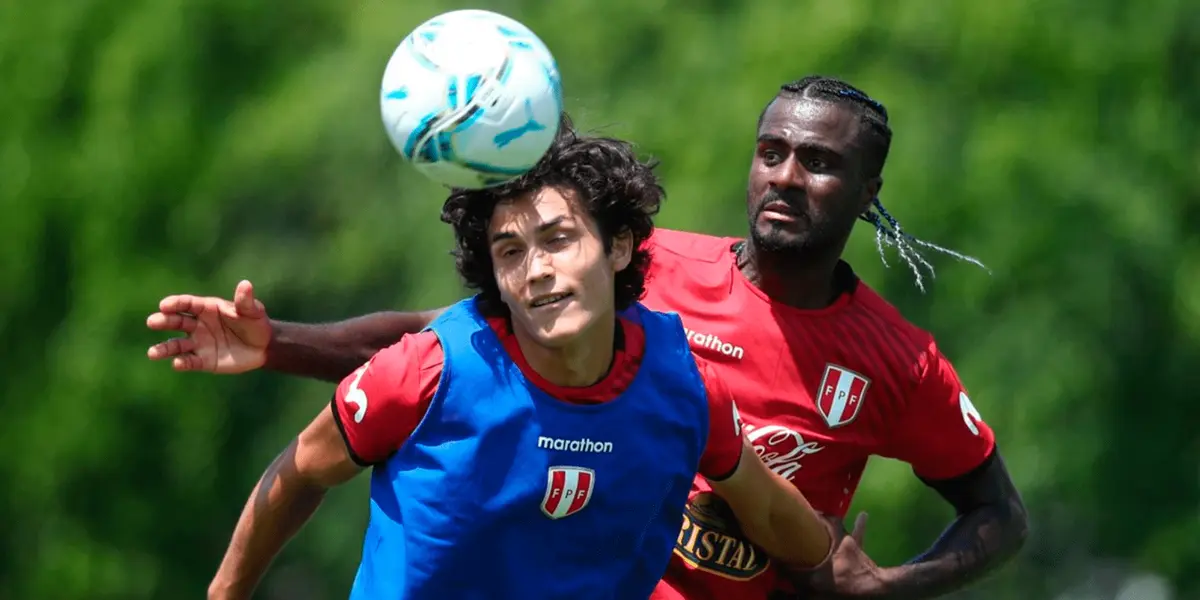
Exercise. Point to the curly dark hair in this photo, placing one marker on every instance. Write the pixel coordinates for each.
(621, 193)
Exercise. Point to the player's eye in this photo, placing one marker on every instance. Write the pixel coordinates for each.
(771, 157)
(558, 242)
(508, 252)
(816, 164)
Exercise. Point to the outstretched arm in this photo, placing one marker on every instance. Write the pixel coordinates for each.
(235, 336)
(990, 528)
(952, 449)
(331, 351)
(282, 502)
(373, 412)
(774, 514)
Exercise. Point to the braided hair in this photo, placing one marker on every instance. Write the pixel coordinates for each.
(876, 141)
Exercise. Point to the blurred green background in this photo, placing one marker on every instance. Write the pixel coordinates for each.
(152, 147)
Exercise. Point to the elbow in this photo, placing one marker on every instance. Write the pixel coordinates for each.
(1005, 527)
(305, 491)
(1018, 525)
(286, 482)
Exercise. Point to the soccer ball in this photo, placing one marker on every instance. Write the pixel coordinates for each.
(471, 98)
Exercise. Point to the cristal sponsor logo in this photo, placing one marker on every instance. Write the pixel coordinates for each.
(710, 540)
(780, 448)
(712, 342)
(580, 445)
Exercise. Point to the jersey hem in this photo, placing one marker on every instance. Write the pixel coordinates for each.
(337, 419)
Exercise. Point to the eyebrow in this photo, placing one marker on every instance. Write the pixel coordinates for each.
(770, 138)
(508, 235)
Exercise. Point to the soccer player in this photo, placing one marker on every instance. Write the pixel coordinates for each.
(531, 437)
(826, 372)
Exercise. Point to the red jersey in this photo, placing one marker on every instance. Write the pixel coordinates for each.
(401, 380)
(818, 392)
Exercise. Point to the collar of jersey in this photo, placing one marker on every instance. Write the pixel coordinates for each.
(844, 280)
(628, 347)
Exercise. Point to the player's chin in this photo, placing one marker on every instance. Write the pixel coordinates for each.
(555, 328)
(774, 235)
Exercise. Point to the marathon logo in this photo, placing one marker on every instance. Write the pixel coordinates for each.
(712, 342)
(580, 445)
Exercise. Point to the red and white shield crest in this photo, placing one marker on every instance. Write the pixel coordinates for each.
(568, 490)
(841, 395)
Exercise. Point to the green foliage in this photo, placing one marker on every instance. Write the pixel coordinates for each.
(180, 145)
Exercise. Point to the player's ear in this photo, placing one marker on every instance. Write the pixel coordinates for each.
(622, 251)
(870, 193)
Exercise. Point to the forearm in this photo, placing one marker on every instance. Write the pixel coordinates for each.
(331, 351)
(975, 544)
(790, 531)
(277, 508)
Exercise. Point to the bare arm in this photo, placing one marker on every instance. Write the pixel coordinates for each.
(953, 450)
(282, 502)
(991, 527)
(331, 351)
(774, 514)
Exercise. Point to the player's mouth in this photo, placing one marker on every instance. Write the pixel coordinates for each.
(550, 300)
(778, 210)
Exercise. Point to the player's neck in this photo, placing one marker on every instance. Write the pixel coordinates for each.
(582, 362)
(804, 281)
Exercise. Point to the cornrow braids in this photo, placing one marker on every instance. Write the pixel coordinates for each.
(889, 233)
(878, 136)
(876, 143)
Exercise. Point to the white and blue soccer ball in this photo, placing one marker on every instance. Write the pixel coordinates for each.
(471, 98)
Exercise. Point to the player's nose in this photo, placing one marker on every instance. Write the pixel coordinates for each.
(541, 266)
(787, 175)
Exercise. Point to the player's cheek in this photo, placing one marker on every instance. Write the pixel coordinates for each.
(510, 280)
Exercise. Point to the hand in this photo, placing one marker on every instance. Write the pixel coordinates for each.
(222, 336)
(850, 573)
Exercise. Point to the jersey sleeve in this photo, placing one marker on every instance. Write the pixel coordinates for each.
(379, 405)
(724, 448)
(941, 434)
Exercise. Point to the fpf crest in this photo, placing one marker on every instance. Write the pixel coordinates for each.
(568, 491)
(841, 395)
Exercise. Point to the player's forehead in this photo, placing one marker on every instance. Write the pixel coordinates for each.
(526, 214)
(800, 121)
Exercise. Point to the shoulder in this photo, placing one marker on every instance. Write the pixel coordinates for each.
(908, 344)
(405, 373)
(419, 352)
(672, 244)
(684, 265)
(928, 374)
(379, 405)
(463, 313)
